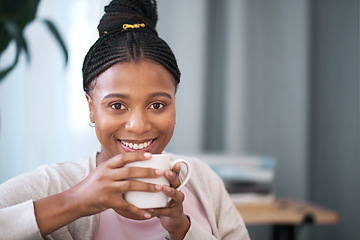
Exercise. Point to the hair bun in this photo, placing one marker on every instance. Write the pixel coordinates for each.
(119, 12)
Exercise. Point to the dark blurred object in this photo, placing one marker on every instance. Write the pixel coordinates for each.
(247, 178)
(15, 15)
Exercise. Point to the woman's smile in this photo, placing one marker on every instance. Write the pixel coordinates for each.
(143, 146)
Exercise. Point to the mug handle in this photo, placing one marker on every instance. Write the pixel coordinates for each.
(188, 172)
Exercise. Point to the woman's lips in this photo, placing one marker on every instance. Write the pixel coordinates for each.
(144, 146)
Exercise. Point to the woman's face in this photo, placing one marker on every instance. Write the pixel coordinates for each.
(133, 108)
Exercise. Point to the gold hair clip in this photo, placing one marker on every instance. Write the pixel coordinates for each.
(105, 32)
(136, 25)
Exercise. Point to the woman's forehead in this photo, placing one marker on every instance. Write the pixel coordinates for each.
(144, 76)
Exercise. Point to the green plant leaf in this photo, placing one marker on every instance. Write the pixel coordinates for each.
(12, 28)
(3, 73)
(15, 15)
(58, 37)
(5, 37)
(23, 44)
(17, 33)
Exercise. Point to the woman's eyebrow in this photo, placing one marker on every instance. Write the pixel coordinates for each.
(116, 95)
(156, 94)
(121, 95)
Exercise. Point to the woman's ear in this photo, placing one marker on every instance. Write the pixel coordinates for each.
(89, 100)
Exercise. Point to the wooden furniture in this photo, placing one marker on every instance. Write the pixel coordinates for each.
(285, 215)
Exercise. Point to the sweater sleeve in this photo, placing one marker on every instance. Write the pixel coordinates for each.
(230, 223)
(197, 232)
(17, 196)
(19, 222)
(225, 220)
(17, 215)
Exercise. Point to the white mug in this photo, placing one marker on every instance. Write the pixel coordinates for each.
(146, 200)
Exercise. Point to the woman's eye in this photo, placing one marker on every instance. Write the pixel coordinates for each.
(156, 105)
(117, 106)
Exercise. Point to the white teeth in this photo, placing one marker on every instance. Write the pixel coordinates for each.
(136, 146)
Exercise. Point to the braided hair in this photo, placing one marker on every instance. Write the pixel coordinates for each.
(127, 32)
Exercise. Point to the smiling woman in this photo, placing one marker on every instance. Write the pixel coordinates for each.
(131, 118)
(130, 76)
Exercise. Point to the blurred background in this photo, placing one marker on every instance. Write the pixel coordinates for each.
(277, 78)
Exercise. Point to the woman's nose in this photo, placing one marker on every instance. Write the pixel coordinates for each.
(138, 123)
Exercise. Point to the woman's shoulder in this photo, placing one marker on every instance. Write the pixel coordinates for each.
(75, 169)
(70, 170)
(46, 180)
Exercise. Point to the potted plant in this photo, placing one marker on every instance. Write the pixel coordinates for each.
(15, 15)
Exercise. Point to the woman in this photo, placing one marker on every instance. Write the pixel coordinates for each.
(130, 77)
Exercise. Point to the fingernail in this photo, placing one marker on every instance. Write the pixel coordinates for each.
(170, 173)
(147, 154)
(158, 187)
(147, 215)
(167, 189)
(158, 172)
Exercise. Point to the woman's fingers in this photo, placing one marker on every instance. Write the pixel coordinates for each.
(173, 176)
(133, 185)
(130, 211)
(122, 159)
(119, 171)
(125, 172)
(174, 207)
(176, 196)
(177, 168)
(120, 178)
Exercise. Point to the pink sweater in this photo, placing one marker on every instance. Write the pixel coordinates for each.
(114, 226)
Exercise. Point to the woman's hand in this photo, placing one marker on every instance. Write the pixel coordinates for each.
(104, 187)
(172, 217)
